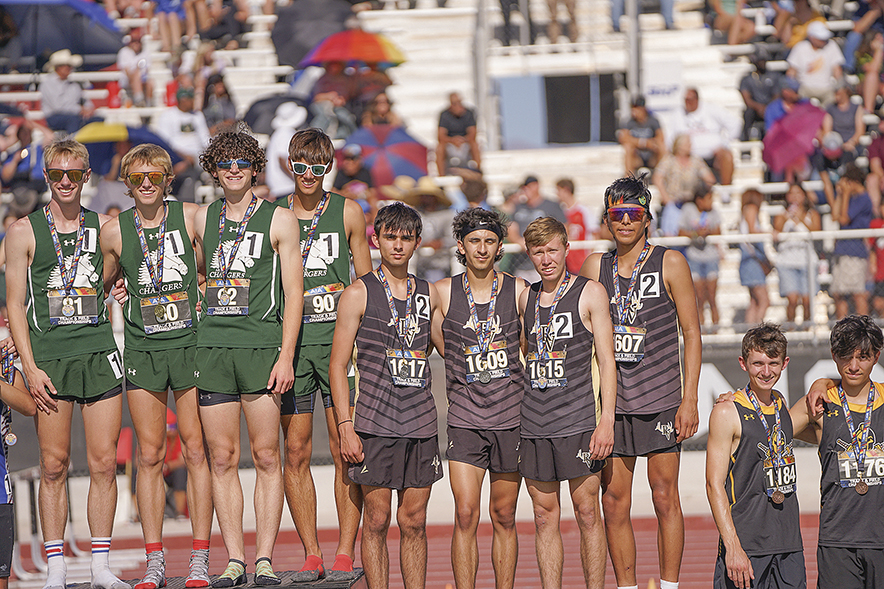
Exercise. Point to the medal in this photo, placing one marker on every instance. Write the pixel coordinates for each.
(541, 383)
(160, 312)
(10, 439)
(778, 497)
(67, 308)
(484, 377)
(775, 451)
(861, 488)
(223, 298)
(483, 331)
(859, 437)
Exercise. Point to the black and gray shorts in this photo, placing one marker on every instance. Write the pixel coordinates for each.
(397, 463)
(557, 459)
(496, 451)
(640, 435)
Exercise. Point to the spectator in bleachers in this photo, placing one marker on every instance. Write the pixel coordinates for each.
(729, 19)
(457, 145)
(641, 138)
(278, 175)
(436, 214)
(123, 8)
(380, 112)
(554, 29)
(817, 64)
(869, 60)
(852, 210)
(368, 83)
(869, 16)
(206, 66)
(782, 106)
(170, 18)
(134, 65)
(528, 204)
(677, 178)
(758, 88)
(510, 33)
(711, 129)
(330, 114)
(754, 264)
(791, 21)
(475, 190)
(64, 105)
(185, 130)
(219, 110)
(666, 9)
(875, 179)
(699, 220)
(796, 259)
(581, 225)
(22, 170)
(353, 179)
(227, 20)
(196, 18)
(845, 118)
(335, 79)
(876, 262)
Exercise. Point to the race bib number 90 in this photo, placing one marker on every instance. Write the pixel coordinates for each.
(77, 307)
(227, 297)
(409, 368)
(321, 303)
(548, 371)
(166, 313)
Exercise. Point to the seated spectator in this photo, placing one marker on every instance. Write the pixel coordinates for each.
(170, 18)
(677, 178)
(335, 79)
(22, 169)
(817, 64)
(754, 265)
(436, 215)
(641, 138)
(228, 22)
(711, 129)
(206, 66)
(780, 107)
(185, 130)
(791, 24)
(796, 258)
(330, 114)
(219, 110)
(728, 19)
(845, 118)
(368, 82)
(353, 179)
(870, 60)
(379, 112)
(278, 175)
(554, 28)
(699, 220)
(852, 210)
(457, 145)
(582, 224)
(64, 105)
(869, 16)
(876, 261)
(666, 8)
(758, 88)
(875, 179)
(134, 65)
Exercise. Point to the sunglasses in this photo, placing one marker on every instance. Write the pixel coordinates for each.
(241, 164)
(617, 214)
(300, 168)
(136, 178)
(55, 175)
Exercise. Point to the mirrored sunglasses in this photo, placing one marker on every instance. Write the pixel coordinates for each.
(300, 168)
(136, 178)
(240, 164)
(55, 174)
(617, 214)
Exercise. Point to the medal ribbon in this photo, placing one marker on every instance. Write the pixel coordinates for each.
(240, 232)
(6, 365)
(858, 437)
(543, 354)
(308, 242)
(483, 334)
(775, 452)
(67, 274)
(399, 331)
(156, 273)
(623, 303)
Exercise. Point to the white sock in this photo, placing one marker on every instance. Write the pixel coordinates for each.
(668, 584)
(56, 573)
(630, 587)
(100, 550)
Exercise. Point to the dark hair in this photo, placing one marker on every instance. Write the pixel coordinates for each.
(567, 184)
(856, 332)
(855, 174)
(630, 189)
(475, 218)
(311, 146)
(233, 145)
(398, 216)
(765, 338)
(702, 191)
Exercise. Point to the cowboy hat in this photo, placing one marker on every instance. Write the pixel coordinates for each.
(399, 189)
(426, 186)
(63, 57)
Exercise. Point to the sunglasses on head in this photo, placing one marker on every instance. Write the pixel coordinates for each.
(300, 168)
(136, 178)
(55, 175)
(241, 164)
(635, 213)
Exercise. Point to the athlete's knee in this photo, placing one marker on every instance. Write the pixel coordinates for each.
(666, 500)
(150, 457)
(297, 455)
(546, 515)
(503, 514)
(53, 469)
(223, 460)
(266, 458)
(194, 456)
(616, 506)
(376, 521)
(412, 523)
(587, 514)
(102, 465)
(466, 516)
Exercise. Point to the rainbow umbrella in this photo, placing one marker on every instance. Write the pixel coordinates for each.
(389, 152)
(354, 45)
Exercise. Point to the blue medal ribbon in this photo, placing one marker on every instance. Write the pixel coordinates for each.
(225, 263)
(156, 273)
(623, 303)
(859, 437)
(542, 353)
(483, 333)
(400, 332)
(67, 274)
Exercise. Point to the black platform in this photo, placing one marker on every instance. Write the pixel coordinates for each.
(284, 576)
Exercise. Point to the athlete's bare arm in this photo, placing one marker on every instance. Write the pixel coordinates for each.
(443, 287)
(199, 227)
(285, 238)
(596, 316)
(351, 308)
(102, 219)
(591, 266)
(20, 247)
(523, 302)
(436, 340)
(354, 226)
(805, 426)
(17, 396)
(724, 436)
(111, 249)
(680, 286)
(816, 396)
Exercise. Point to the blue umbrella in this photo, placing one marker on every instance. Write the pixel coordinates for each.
(389, 152)
(46, 26)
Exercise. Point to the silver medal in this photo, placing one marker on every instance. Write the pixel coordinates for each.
(484, 377)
